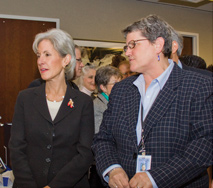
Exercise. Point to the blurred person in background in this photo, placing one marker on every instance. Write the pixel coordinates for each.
(86, 82)
(124, 68)
(197, 64)
(117, 59)
(106, 77)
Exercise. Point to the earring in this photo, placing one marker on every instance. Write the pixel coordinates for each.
(158, 57)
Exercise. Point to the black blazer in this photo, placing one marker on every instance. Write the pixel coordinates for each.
(201, 71)
(178, 130)
(55, 153)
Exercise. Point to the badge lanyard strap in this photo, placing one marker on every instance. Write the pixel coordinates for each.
(142, 151)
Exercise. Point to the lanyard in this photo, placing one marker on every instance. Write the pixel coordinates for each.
(142, 151)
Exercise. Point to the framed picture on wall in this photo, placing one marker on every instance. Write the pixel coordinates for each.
(99, 53)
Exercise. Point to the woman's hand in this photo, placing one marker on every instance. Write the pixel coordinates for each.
(118, 178)
(139, 180)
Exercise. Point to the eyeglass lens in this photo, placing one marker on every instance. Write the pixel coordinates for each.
(80, 60)
(130, 45)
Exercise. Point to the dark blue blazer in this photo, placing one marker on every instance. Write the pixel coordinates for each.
(178, 130)
(201, 71)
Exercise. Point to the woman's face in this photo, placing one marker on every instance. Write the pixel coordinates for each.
(50, 63)
(108, 88)
(89, 80)
(142, 56)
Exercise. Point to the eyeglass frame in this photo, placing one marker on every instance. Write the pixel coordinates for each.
(125, 48)
(79, 60)
(113, 83)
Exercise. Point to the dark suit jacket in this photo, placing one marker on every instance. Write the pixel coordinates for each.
(201, 71)
(178, 130)
(55, 153)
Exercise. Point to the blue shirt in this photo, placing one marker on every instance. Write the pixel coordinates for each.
(148, 97)
(180, 64)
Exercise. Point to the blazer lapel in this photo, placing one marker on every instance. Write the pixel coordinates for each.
(163, 100)
(40, 102)
(131, 109)
(65, 109)
(102, 99)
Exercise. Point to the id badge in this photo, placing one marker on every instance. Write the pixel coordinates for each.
(143, 163)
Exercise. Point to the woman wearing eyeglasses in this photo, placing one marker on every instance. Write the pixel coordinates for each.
(163, 116)
(105, 79)
(79, 63)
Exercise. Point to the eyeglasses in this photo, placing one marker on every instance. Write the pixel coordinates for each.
(127, 73)
(79, 60)
(132, 44)
(113, 83)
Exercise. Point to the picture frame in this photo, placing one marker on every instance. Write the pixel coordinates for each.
(99, 53)
(101, 44)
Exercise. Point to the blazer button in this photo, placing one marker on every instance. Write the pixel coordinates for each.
(49, 147)
(48, 160)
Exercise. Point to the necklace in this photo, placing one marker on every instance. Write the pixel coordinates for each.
(55, 100)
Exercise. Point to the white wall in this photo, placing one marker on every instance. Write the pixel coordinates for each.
(104, 19)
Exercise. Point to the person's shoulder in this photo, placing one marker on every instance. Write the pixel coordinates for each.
(27, 94)
(203, 72)
(199, 71)
(127, 82)
(125, 86)
(97, 103)
(196, 80)
(35, 83)
(99, 99)
(72, 84)
(194, 74)
(80, 94)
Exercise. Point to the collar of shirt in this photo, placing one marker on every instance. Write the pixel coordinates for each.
(180, 64)
(86, 91)
(161, 79)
